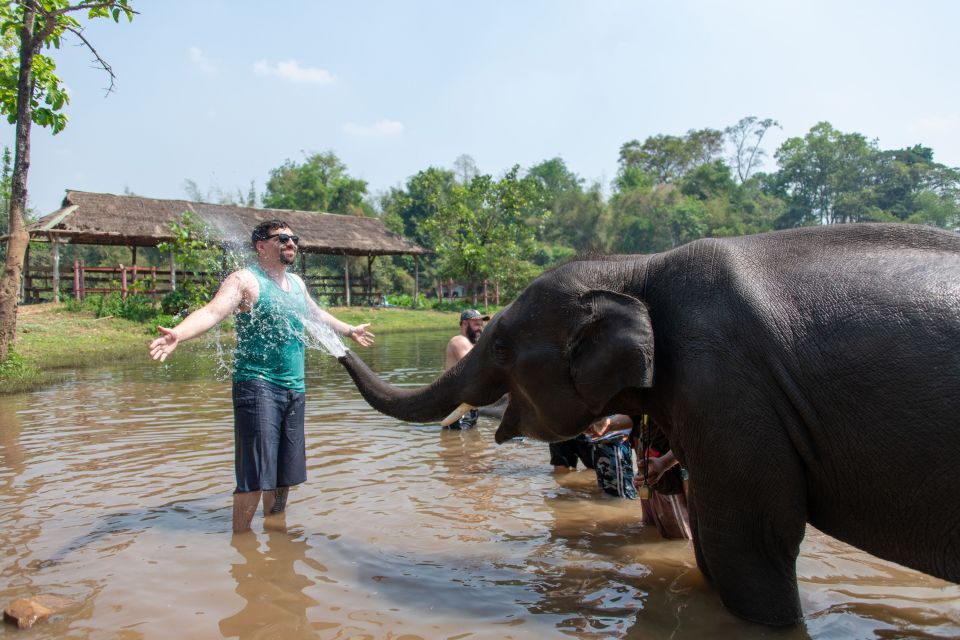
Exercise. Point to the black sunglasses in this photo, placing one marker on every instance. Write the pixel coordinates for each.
(284, 238)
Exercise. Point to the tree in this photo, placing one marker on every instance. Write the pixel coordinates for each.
(466, 168)
(218, 196)
(826, 177)
(667, 158)
(426, 193)
(320, 184)
(746, 136)
(656, 219)
(487, 229)
(31, 92)
(911, 186)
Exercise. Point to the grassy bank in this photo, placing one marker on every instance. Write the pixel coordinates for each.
(52, 341)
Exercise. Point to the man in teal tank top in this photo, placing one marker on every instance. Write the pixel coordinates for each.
(268, 389)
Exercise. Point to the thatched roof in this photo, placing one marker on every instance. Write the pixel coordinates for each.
(103, 218)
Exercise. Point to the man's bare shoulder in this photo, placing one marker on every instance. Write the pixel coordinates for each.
(244, 283)
(241, 276)
(459, 341)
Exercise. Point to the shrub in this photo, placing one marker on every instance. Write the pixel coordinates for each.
(14, 367)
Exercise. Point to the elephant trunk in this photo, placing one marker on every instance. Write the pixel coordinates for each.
(427, 404)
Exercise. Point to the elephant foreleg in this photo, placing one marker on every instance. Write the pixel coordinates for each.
(747, 536)
(697, 551)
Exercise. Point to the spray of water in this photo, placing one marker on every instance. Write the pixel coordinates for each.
(320, 335)
(315, 335)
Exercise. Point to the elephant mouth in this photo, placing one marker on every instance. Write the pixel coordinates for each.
(509, 425)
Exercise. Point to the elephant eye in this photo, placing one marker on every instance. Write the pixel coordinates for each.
(501, 352)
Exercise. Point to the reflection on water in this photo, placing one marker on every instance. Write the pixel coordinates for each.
(267, 579)
(115, 492)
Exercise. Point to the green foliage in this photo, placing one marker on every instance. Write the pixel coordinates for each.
(486, 229)
(668, 158)
(425, 195)
(137, 307)
(404, 300)
(48, 96)
(822, 174)
(53, 22)
(217, 195)
(935, 209)
(14, 367)
(195, 248)
(829, 176)
(320, 184)
(578, 218)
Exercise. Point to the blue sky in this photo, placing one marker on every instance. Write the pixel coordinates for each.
(222, 91)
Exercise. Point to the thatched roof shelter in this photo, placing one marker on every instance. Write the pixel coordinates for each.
(133, 221)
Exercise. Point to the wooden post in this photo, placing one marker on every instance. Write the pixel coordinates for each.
(439, 289)
(83, 281)
(123, 282)
(133, 263)
(346, 279)
(55, 246)
(416, 279)
(303, 264)
(173, 272)
(369, 277)
(76, 279)
(497, 292)
(450, 290)
(485, 298)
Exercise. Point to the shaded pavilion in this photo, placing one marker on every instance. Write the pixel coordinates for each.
(134, 221)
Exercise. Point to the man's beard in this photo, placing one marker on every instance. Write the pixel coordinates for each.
(472, 335)
(287, 260)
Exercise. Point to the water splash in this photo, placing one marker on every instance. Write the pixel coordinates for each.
(320, 335)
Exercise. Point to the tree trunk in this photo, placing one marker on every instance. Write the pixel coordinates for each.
(19, 239)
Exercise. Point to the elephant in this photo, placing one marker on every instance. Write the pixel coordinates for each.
(809, 375)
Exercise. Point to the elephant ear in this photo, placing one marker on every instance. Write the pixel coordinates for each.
(612, 349)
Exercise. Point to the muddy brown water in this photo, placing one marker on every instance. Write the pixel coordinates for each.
(115, 492)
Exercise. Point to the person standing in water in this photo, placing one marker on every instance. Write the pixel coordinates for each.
(268, 381)
(471, 326)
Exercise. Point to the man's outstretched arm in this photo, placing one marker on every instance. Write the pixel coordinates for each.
(227, 300)
(359, 333)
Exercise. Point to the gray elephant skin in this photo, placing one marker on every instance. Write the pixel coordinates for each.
(809, 375)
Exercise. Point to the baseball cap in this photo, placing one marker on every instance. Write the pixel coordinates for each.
(473, 314)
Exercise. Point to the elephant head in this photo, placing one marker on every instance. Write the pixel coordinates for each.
(566, 348)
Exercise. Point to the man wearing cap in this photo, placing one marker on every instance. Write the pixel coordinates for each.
(471, 326)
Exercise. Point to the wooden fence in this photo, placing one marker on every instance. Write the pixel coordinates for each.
(40, 284)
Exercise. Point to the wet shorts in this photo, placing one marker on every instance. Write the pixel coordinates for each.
(566, 453)
(269, 446)
(614, 465)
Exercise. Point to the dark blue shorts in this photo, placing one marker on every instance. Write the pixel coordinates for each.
(269, 447)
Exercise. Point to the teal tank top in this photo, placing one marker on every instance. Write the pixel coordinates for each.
(270, 335)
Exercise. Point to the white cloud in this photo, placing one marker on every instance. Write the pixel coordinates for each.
(382, 128)
(292, 71)
(202, 62)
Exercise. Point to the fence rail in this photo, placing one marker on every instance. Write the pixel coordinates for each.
(39, 283)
